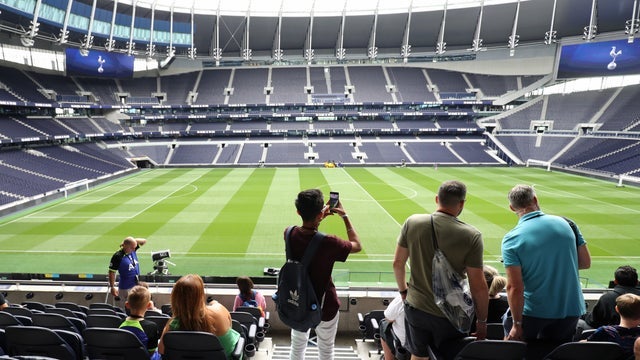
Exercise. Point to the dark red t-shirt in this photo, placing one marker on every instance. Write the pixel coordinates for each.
(331, 249)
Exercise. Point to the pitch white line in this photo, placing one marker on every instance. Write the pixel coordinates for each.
(371, 197)
(166, 196)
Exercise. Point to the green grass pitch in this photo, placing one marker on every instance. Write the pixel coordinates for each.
(230, 222)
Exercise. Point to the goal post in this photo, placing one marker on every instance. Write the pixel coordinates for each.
(626, 178)
(76, 184)
(545, 164)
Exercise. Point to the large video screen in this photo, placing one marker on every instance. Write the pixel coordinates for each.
(98, 63)
(592, 59)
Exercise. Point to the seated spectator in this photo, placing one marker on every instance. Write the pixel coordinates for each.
(604, 313)
(247, 296)
(138, 301)
(3, 302)
(625, 334)
(392, 332)
(191, 313)
(498, 304)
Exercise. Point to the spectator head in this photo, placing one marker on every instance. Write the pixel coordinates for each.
(628, 306)
(245, 285)
(522, 197)
(309, 204)
(451, 193)
(138, 300)
(451, 197)
(129, 245)
(495, 282)
(188, 304)
(626, 276)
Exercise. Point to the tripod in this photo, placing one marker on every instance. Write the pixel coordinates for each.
(160, 267)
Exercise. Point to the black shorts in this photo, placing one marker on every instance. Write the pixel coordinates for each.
(424, 330)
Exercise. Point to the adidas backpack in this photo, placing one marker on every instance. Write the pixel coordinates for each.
(296, 301)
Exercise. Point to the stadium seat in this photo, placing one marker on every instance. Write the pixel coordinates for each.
(35, 340)
(105, 306)
(113, 344)
(585, 334)
(154, 313)
(74, 340)
(369, 325)
(35, 305)
(250, 343)
(71, 306)
(263, 321)
(105, 311)
(3, 341)
(590, 350)
(60, 311)
(493, 350)
(160, 321)
(18, 311)
(197, 345)
(166, 309)
(449, 349)
(54, 321)
(251, 323)
(7, 319)
(103, 321)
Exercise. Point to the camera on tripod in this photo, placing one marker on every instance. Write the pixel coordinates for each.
(160, 262)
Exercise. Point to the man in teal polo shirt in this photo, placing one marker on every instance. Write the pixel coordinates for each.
(542, 255)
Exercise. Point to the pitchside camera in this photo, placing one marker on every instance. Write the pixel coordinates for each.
(160, 255)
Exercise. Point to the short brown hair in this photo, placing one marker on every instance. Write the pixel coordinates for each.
(452, 192)
(628, 306)
(138, 298)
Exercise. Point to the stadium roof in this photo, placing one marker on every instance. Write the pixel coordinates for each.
(360, 29)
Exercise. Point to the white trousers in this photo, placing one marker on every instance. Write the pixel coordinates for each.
(326, 333)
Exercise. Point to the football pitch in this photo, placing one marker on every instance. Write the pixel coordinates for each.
(230, 221)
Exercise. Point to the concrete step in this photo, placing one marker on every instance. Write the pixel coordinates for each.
(339, 353)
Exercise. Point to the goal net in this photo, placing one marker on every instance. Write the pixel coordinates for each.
(540, 163)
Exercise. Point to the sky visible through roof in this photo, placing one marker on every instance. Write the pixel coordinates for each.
(306, 7)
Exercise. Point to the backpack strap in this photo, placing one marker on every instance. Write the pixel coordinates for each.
(574, 228)
(287, 235)
(311, 248)
(433, 233)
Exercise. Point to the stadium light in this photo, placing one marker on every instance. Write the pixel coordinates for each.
(110, 45)
(278, 54)
(151, 50)
(87, 43)
(589, 32)
(373, 52)
(191, 53)
(308, 54)
(246, 54)
(513, 43)
(405, 51)
(550, 37)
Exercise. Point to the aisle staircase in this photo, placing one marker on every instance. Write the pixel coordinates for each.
(281, 352)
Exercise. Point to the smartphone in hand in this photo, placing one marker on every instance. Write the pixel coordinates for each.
(334, 198)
